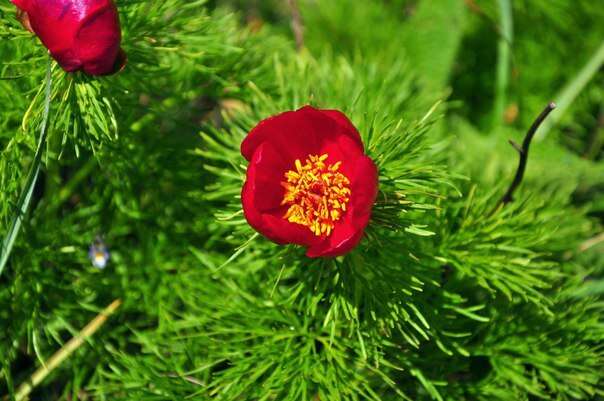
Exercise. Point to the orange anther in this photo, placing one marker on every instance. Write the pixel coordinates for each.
(317, 194)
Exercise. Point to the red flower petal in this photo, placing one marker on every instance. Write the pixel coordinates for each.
(79, 34)
(348, 233)
(22, 4)
(261, 199)
(344, 149)
(297, 133)
(343, 239)
(97, 40)
(273, 147)
(345, 123)
(364, 185)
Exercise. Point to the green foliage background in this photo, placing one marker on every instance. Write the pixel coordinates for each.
(445, 299)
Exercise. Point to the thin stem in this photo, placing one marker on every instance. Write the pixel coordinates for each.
(40, 374)
(570, 92)
(585, 245)
(277, 281)
(68, 189)
(25, 197)
(590, 243)
(297, 25)
(503, 58)
(523, 152)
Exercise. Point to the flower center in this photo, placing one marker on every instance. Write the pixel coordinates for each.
(317, 194)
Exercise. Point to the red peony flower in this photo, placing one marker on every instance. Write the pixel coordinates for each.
(309, 181)
(80, 34)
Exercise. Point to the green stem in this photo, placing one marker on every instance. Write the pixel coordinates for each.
(25, 197)
(65, 192)
(506, 39)
(569, 93)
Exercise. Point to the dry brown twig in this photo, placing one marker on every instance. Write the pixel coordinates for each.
(54, 361)
(297, 24)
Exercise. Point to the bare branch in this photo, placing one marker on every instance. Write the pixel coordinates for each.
(523, 152)
(515, 146)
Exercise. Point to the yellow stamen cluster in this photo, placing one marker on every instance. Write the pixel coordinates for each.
(317, 194)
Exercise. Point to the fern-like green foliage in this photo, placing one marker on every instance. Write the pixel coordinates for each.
(447, 297)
